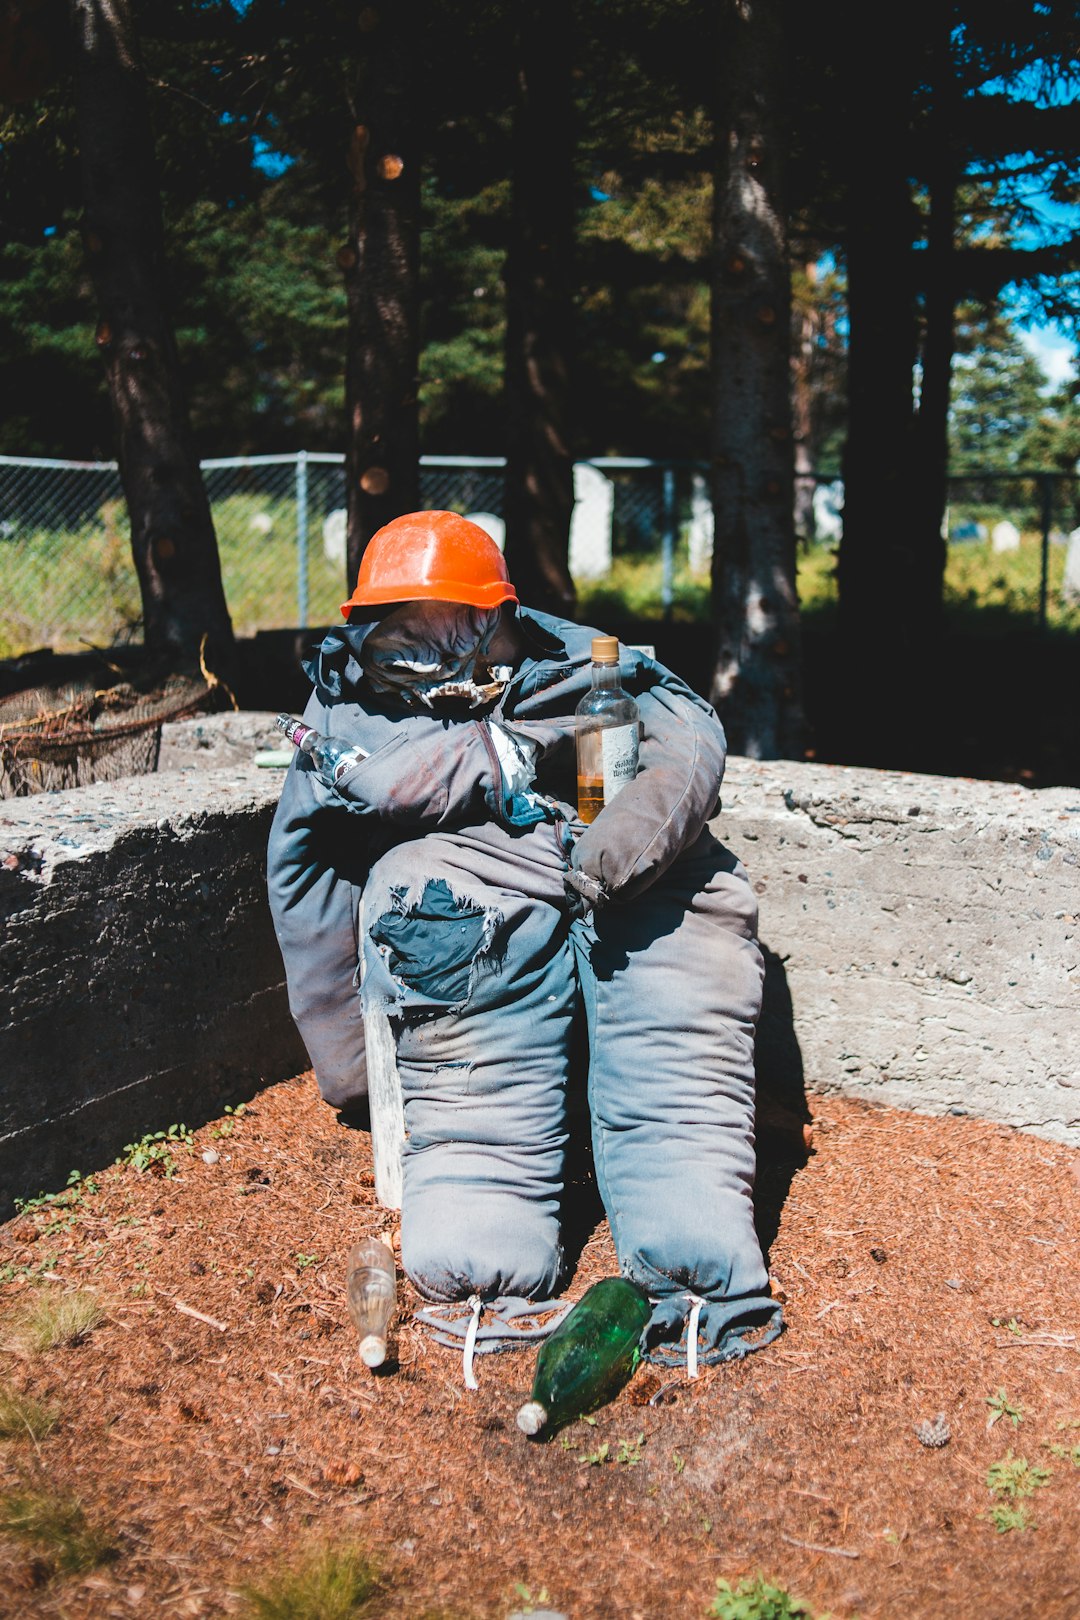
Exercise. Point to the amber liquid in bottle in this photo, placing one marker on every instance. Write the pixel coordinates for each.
(607, 733)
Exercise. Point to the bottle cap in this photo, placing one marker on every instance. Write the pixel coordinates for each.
(372, 1350)
(605, 650)
(532, 1416)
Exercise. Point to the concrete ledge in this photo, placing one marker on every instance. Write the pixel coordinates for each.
(921, 937)
(141, 979)
(925, 933)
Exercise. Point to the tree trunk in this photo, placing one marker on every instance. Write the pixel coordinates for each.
(381, 262)
(931, 436)
(876, 568)
(172, 532)
(539, 470)
(756, 684)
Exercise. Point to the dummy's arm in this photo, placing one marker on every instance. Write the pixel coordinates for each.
(662, 811)
(316, 865)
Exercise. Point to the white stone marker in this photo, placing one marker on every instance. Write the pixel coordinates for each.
(701, 525)
(333, 536)
(1070, 582)
(491, 524)
(590, 523)
(1005, 536)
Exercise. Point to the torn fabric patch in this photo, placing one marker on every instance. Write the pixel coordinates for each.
(433, 943)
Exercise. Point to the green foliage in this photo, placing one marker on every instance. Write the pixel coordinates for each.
(330, 1583)
(63, 1208)
(631, 1452)
(1005, 1518)
(528, 1600)
(22, 1417)
(155, 1151)
(303, 1261)
(756, 1600)
(1001, 1407)
(56, 1526)
(1014, 1476)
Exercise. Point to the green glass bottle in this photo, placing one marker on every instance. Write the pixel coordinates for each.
(589, 1357)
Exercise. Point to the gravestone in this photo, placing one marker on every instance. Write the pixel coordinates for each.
(701, 526)
(333, 536)
(828, 511)
(1070, 582)
(590, 523)
(1005, 536)
(491, 524)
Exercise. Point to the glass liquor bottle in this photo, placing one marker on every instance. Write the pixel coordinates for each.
(589, 1356)
(607, 733)
(330, 756)
(371, 1287)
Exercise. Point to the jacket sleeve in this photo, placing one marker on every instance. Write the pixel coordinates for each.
(316, 867)
(662, 811)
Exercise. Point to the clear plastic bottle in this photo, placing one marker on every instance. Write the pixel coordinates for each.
(589, 1357)
(371, 1286)
(608, 727)
(330, 756)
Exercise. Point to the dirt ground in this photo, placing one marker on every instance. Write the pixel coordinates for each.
(929, 1267)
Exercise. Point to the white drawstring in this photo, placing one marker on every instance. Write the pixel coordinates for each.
(691, 1335)
(476, 1305)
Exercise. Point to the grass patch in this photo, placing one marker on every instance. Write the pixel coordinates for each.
(22, 1417)
(54, 1319)
(330, 1583)
(56, 1527)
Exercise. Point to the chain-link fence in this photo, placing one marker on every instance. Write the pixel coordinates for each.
(641, 541)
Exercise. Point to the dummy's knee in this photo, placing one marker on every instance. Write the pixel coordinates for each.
(451, 1248)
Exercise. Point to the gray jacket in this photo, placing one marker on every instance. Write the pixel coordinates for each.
(427, 772)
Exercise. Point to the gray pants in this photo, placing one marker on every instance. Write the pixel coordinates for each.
(471, 949)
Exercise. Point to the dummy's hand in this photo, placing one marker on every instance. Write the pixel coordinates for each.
(588, 894)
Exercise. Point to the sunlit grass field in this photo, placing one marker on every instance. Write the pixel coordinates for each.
(75, 588)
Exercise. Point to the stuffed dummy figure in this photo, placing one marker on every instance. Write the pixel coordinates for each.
(450, 862)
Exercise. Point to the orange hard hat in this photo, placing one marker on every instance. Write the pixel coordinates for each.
(437, 555)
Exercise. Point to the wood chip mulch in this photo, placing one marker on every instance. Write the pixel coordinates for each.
(219, 1423)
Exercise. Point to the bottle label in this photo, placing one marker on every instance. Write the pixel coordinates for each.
(620, 753)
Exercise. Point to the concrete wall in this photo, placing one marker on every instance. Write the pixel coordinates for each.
(925, 932)
(140, 979)
(921, 936)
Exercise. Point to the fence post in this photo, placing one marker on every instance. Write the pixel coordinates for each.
(301, 540)
(1046, 494)
(668, 576)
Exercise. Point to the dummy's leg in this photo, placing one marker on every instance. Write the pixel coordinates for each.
(474, 967)
(672, 986)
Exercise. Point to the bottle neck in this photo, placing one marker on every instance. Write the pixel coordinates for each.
(605, 675)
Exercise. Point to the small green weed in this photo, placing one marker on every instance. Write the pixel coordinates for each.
(756, 1600)
(678, 1461)
(330, 1583)
(56, 1526)
(154, 1153)
(22, 1417)
(1067, 1454)
(227, 1126)
(631, 1452)
(53, 1319)
(1014, 1476)
(64, 1208)
(595, 1458)
(1001, 1407)
(1010, 1324)
(303, 1261)
(529, 1600)
(1005, 1518)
